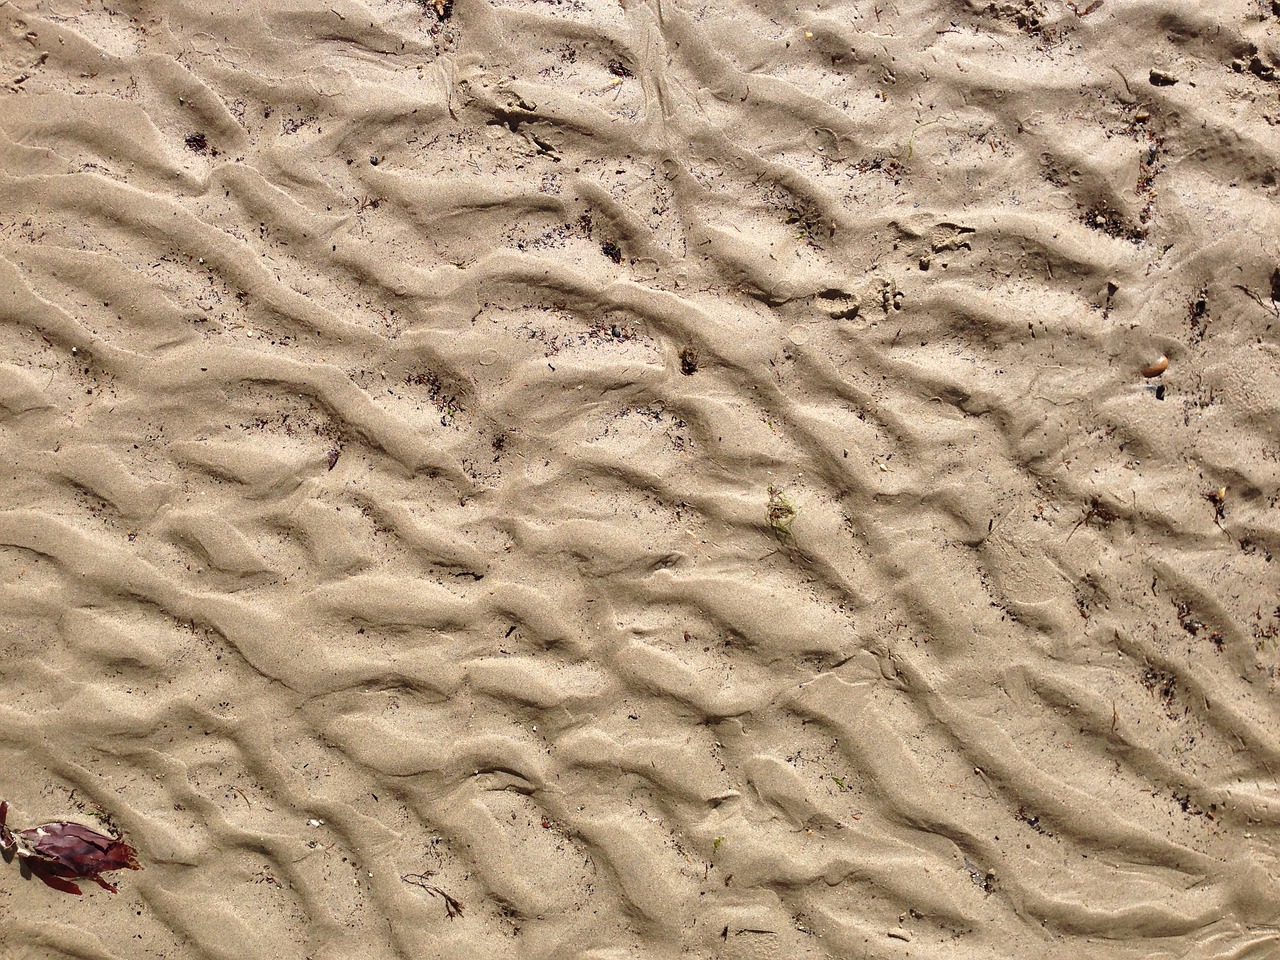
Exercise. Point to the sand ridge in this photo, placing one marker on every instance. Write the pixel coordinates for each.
(643, 479)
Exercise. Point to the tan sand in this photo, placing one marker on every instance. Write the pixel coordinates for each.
(675, 477)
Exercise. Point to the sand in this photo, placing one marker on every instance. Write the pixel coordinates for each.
(658, 479)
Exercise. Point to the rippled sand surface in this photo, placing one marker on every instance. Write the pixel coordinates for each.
(643, 480)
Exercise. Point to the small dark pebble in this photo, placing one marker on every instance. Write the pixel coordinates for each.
(1261, 70)
(688, 361)
(333, 457)
(374, 160)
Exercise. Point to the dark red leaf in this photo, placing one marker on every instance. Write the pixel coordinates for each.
(79, 848)
(62, 851)
(52, 880)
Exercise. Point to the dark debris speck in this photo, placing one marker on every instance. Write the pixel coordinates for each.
(688, 361)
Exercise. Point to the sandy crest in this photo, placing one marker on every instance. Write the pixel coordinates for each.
(646, 479)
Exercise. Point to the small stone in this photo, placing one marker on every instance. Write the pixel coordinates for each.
(1162, 78)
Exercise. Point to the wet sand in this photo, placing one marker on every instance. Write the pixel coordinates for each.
(643, 480)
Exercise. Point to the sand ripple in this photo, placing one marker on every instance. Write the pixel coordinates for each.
(392, 415)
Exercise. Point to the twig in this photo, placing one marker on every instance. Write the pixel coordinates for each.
(1086, 11)
(1257, 299)
(452, 907)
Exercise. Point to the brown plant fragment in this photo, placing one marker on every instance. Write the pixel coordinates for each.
(452, 906)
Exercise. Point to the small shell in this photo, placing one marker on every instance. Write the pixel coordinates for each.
(1157, 368)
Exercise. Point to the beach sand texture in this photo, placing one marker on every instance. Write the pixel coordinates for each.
(676, 477)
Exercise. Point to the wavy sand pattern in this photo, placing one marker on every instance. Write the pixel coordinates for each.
(394, 411)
